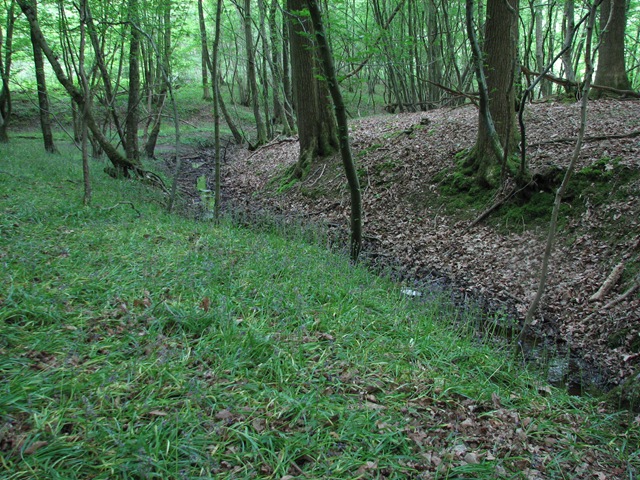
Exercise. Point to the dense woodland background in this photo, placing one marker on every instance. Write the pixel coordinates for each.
(123, 60)
(484, 154)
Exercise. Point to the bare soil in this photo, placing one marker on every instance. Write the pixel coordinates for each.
(403, 161)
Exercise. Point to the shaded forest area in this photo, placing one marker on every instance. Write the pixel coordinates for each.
(174, 173)
(503, 154)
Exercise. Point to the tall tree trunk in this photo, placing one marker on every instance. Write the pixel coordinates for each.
(219, 101)
(343, 129)
(553, 224)
(206, 90)
(5, 71)
(216, 112)
(133, 104)
(261, 132)
(43, 97)
(568, 30)
(163, 54)
(289, 106)
(316, 122)
(99, 54)
(545, 85)
(611, 71)
(434, 66)
(279, 109)
(68, 49)
(86, 176)
(500, 58)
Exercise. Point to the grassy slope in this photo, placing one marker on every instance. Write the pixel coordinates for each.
(152, 346)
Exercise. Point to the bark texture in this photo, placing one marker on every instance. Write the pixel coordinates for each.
(43, 96)
(500, 62)
(315, 120)
(611, 71)
(343, 129)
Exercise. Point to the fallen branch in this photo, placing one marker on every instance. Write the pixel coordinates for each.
(569, 84)
(456, 93)
(609, 283)
(319, 176)
(630, 291)
(595, 138)
(495, 206)
(122, 203)
(276, 141)
(199, 156)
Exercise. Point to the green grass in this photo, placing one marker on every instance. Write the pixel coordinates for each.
(152, 346)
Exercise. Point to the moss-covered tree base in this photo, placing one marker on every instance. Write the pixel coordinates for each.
(482, 167)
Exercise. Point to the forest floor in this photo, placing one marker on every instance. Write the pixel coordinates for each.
(421, 227)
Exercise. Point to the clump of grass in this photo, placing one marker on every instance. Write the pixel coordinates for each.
(153, 346)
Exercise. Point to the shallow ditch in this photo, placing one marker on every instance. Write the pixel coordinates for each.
(497, 319)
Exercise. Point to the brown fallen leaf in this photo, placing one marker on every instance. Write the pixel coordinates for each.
(158, 413)
(259, 424)
(471, 458)
(224, 415)
(205, 304)
(31, 449)
(366, 468)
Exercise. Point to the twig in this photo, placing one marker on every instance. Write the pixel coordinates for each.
(587, 139)
(276, 141)
(617, 300)
(123, 203)
(568, 83)
(319, 177)
(495, 206)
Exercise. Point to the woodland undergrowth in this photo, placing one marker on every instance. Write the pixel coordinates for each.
(136, 344)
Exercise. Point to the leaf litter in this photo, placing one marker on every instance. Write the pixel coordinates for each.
(399, 164)
(400, 158)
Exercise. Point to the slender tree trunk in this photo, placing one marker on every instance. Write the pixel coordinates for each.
(164, 67)
(553, 224)
(276, 70)
(263, 73)
(3, 92)
(67, 56)
(289, 107)
(43, 97)
(568, 30)
(343, 130)
(434, 66)
(235, 131)
(133, 104)
(206, 90)
(86, 175)
(216, 113)
(99, 54)
(5, 71)
(545, 85)
(261, 132)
